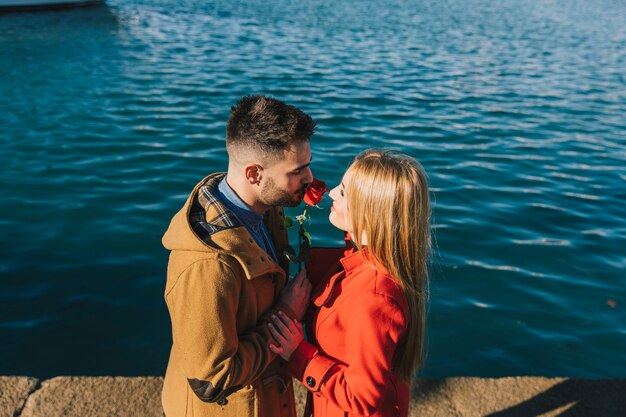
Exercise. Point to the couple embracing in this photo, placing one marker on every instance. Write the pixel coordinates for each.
(238, 339)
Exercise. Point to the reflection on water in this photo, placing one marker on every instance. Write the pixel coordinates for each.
(111, 114)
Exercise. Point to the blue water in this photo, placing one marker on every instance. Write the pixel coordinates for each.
(517, 110)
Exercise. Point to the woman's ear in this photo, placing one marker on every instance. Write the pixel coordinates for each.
(253, 173)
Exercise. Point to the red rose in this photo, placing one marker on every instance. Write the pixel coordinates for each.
(315, 192)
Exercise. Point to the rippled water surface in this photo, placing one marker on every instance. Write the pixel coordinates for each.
(517, 110)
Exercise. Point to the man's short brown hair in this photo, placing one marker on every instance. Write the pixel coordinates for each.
(268, 125)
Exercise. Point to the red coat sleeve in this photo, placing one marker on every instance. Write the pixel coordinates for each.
(371, 338)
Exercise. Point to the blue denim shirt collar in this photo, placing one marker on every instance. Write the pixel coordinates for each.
(251, 220)
(244, 213)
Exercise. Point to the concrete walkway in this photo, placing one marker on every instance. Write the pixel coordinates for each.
(500, 397)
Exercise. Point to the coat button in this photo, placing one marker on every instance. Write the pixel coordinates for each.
(248, 263)
(262, 259)
(310, 381)
(222, 402)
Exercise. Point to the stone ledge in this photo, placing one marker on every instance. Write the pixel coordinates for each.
(14, 391)
(519, 397)
(96, 396)
(449, 397)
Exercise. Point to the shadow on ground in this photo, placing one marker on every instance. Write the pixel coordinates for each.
(574, 397)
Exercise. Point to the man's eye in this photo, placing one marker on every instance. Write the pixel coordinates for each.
(296, 172)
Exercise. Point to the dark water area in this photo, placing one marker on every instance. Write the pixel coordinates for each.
(111, 114)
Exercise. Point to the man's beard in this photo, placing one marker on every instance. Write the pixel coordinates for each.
(274, 196)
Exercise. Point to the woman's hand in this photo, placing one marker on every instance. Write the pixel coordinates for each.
(288, 334)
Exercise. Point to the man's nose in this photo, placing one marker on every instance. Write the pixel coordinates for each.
(309, 176)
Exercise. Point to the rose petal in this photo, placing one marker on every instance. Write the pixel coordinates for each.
(314, 193)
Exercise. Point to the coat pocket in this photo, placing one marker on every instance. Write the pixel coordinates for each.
(240, 403)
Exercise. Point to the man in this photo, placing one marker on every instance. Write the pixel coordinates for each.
(227, 273)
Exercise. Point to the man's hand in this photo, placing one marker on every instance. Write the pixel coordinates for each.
(296, 294)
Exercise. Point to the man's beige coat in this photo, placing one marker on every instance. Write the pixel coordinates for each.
(221, 287)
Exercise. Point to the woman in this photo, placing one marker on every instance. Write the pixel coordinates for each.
(366, 325)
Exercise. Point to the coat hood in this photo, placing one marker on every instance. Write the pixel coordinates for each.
(204, 224)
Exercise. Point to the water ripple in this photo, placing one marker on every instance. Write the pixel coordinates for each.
(516, 110)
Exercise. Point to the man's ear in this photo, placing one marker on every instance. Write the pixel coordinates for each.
(253, 173)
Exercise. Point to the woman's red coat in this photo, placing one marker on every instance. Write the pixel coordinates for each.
(357, 318)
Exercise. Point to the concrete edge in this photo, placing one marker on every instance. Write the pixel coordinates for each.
(14, 392)
(457, 396)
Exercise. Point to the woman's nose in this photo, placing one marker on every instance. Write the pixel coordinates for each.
(332, 194)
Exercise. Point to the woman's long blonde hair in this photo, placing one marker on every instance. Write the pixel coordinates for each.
(388, 203)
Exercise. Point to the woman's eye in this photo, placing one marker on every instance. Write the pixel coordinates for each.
(341, 192)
